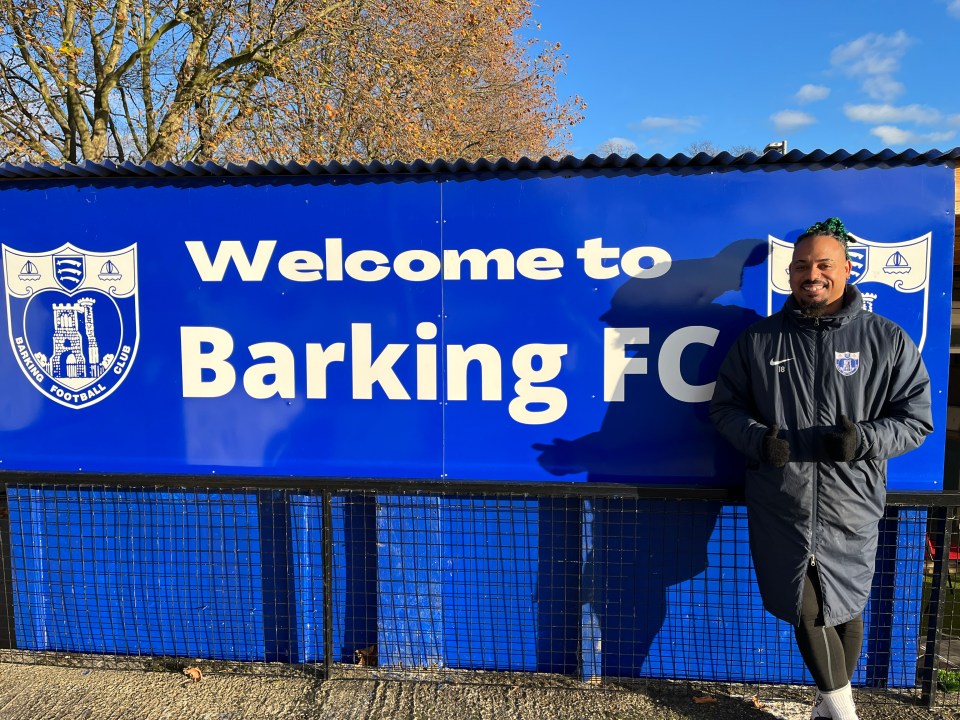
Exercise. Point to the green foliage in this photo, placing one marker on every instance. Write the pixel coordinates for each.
(948, 680)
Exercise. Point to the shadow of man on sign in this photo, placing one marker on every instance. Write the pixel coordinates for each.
(657, 434)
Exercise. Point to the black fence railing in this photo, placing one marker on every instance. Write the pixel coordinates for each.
(404, 579)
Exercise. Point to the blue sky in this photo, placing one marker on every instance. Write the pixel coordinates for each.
(844, 74)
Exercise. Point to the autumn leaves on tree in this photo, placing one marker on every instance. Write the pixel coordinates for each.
(235, 80)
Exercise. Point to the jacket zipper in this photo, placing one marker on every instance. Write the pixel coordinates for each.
(823, 629)
(816, 476)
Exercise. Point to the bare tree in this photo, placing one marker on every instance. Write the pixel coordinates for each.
(616, 146)
(702, 146)
(708, 147)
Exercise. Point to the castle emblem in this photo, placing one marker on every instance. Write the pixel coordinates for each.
(847, 362)
(73, 320)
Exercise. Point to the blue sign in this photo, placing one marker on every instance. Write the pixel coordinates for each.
(446, 328)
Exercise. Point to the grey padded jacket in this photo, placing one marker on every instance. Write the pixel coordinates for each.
(801, 373)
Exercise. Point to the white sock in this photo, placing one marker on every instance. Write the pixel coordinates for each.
(839, 703)
(819, 708)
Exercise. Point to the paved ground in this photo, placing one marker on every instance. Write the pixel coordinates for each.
(32, 692)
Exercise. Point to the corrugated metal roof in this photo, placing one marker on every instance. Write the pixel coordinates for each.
(524, 166)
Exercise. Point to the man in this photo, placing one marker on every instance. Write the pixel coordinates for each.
(818, 396)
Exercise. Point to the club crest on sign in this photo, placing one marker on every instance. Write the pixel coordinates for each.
(893, 278)
(847, 362)
(73, 319)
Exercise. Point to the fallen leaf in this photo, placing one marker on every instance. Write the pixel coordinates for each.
(193, 673)
(367, 657)
(757, 703)
(704, 699)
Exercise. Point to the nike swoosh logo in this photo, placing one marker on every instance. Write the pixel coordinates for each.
(780, 362)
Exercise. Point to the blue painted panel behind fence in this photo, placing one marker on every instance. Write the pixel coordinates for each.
(452, 583)
(489, 554)
(306, 564)
(410, 582)
(101, 571)
(465, 583)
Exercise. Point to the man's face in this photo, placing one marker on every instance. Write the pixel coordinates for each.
(818, 274)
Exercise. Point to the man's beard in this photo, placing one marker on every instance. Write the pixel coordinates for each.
(812, 309)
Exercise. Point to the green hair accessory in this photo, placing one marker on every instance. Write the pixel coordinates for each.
(830, 226)
(834, 227)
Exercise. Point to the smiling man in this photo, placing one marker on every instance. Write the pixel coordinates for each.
(819, 273)
(818, 396)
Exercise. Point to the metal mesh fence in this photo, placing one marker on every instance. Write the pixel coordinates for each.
(444, 581)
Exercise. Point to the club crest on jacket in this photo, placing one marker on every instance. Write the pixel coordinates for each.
(847, 362)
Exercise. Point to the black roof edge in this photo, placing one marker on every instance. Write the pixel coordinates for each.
(525, 166)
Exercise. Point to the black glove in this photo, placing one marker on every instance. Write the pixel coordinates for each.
(840, 444)
(775, 451)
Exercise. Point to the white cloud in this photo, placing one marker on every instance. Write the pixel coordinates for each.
(954, 8)
(812, 93)
(788, 120)
(886, 113)
(883, 87)
(872, 54)
(679, 125)
(889, 119)
(875, 58)
(892, 135)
